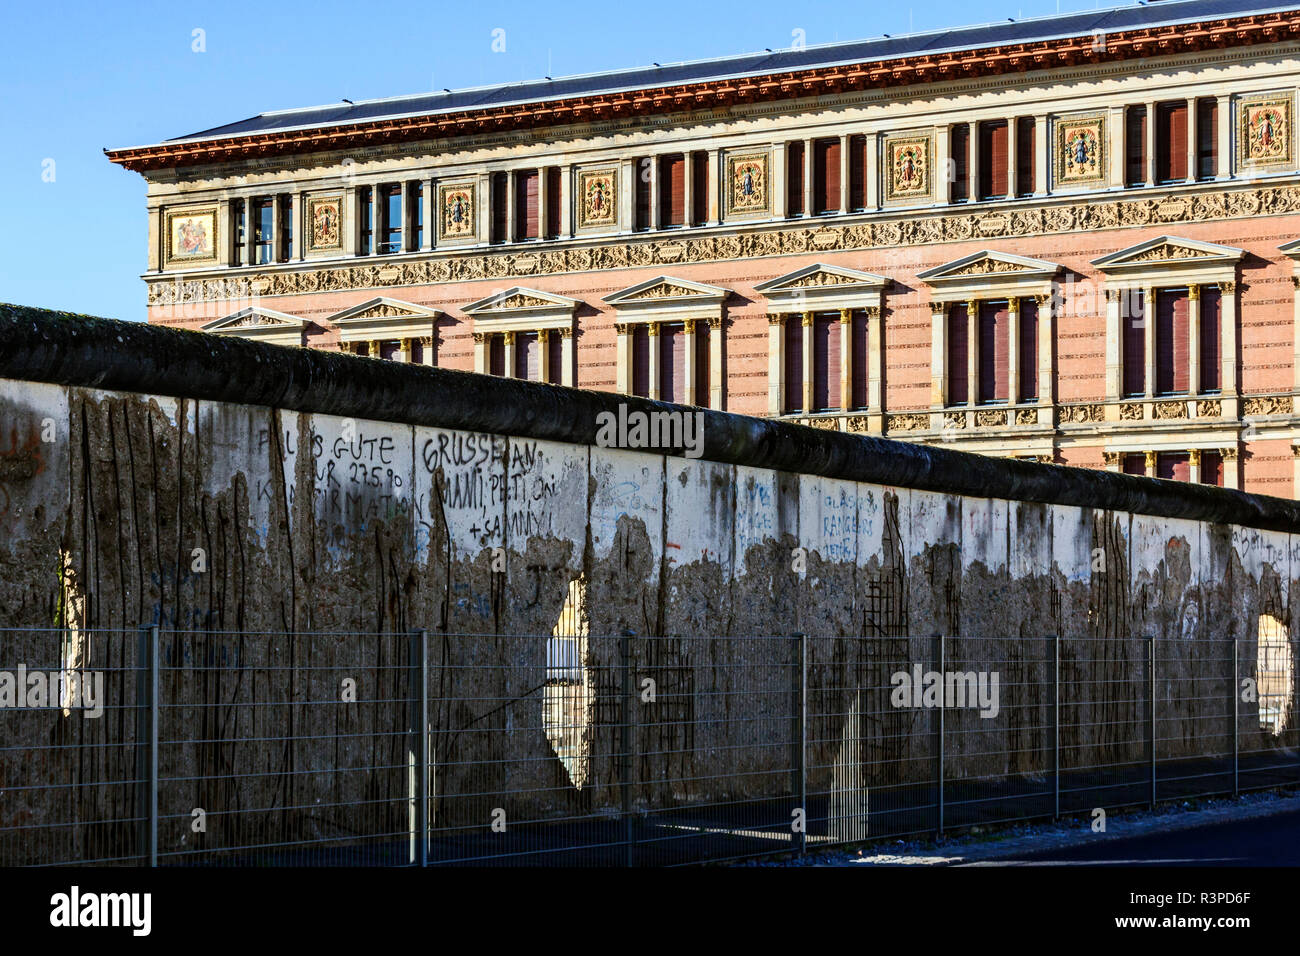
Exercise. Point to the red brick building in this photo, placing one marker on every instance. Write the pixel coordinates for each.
(1074, 238)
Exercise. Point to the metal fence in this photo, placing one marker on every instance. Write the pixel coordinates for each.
(174, 747)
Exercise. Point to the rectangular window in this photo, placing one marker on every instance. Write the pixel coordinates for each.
(417, 217)
(241, 238)
(553, 202)
(793, 363)
(497, 354)
(286, 228)
(1211, 354)
(1026, 161)
(1135, 145)
(1172, 339)
(958, 349)
(994, 182)
(826, 362)
(1212, 468)
(1135, 464)
(392, 219)
(1027, 351)
(672, 191)
(959, 139)
(826, 176)
(702, 380)
(699, 188)
(860, 355)
(1133, 331)
(641, 192)
(857, 173)
(500, 195)
(794, 178)
(994, 352)
(672, 363)
(526, 208)
(528, 357)
(555, 350)
(1207, 138)
(264, 238)
(641, 360)
(1174, 466)
(1171, 142)
(363, 227)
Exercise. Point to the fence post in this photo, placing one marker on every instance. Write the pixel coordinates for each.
(1056, 728)
(1151, 670)
(1236, 752)
(801, 765)
(939, 746)
(146, 763)
(626, 763)
(417, 685)
(422, 808)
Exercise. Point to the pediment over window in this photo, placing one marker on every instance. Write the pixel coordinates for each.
(262, 325)
(664, 298)
(820, 286)
(520, 308)
(1171, 260)
(1291, 248)
(990, 274)
(382, 318)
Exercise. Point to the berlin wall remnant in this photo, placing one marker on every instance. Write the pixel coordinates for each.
(333, 497)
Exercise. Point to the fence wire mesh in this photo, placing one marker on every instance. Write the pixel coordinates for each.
(175, 747)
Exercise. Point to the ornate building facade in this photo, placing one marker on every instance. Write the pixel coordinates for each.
(1075, 238)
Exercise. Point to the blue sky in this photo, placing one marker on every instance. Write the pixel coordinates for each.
(82, 76)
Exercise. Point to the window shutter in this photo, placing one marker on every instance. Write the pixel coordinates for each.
(1211, 355)
(994, 352)
(555, 350)
(641, 191)
(794, 178)
(826, 362)
(1025, 159)
(1174, 466)
(497, 354)
(1135, 358)
(859, 372)
(960, 142)
(1211, 468)
(699, 187)
(826, 170)
(1171, 342)
(993, 160)
(672, 190)
(1171, 142)
(857, 173)
(672, 363)
(526, 209)
(641, 360)
(552, 202)
(793, 362)
(958, 347)
(1207, 137)
(1135, 145)
(1027, 351)
(500, 184)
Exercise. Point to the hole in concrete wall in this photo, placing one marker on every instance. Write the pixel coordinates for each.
(567, 702)
(1275, 670)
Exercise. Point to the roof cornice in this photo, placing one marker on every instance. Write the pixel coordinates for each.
(713, 94)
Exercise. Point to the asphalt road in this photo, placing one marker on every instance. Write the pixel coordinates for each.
(1264, 841)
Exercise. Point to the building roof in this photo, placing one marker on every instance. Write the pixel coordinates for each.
(925, 49)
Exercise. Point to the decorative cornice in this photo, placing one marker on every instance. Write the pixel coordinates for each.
(697, 97)
(904, 229)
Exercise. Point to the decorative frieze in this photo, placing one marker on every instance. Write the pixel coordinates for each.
(909, 422)
(1081, 414)
(1167, 411)
(1268, 405)
(907, 230)
(990, 418)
